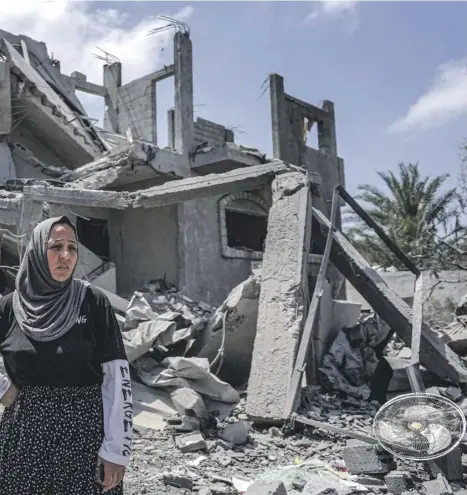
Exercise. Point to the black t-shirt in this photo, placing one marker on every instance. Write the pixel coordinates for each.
(71, 360)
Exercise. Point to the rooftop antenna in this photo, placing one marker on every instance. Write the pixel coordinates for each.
(172, 23)
(107, 57)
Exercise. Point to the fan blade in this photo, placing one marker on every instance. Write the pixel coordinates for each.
(438, 437)
(420, 413)
(393, 433)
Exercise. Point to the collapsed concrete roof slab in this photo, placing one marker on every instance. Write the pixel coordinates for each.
(140, 159)
(172, 192)
(57, 122)
(222, 159)
(435, 355)
(77, 197)
(208, 185)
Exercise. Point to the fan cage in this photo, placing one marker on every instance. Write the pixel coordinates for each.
(453, 414)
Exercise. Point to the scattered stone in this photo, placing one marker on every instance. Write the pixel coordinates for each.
(397, 482)
(452, 393)
(275, 432)
(187, 402)
(224, 444)
(439, 486)
(236, 433)
(271, 488)
(191, 442)
(178, 481)
(224, 461)
(364, 459)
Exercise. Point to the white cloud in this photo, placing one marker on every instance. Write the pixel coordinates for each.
(444, 100)
(72, 30)
(334, 9)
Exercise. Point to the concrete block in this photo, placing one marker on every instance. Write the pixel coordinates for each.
(281, 304)
(178, 481)
(451, 465)
(271, 488)
(397, 482)
(187, 402)
(451, 393)
(191, 442)
(236, 433)
(363, 459)
(439, 486)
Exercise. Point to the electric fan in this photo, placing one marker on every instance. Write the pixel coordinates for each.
(419, 426)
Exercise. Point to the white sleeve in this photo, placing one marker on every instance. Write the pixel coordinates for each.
(4, 384)
(118, 412)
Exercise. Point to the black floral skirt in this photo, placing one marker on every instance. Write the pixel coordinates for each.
(49, 440)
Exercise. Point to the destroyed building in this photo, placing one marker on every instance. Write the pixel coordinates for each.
(155, 214)
(216, 220)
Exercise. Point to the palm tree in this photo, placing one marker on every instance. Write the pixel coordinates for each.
(413, 212)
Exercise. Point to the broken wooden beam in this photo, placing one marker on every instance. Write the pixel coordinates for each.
(177, 191)
(283, 300)
(435, 355)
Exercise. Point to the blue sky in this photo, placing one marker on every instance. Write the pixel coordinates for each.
(396, 71)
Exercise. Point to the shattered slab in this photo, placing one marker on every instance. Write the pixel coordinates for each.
(209, 185)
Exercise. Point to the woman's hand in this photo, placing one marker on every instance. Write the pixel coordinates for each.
(10, 396)
(113, 474)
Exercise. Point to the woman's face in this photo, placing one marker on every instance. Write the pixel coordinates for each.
(62, 252)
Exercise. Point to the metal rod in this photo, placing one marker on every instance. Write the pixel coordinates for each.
(336, 429)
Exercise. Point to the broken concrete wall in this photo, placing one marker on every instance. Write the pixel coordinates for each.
(205, 274)
(440, 293)
(214, 134)
(137, 109)
(144, 246)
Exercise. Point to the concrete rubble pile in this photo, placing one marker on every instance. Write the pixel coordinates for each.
(212, 452)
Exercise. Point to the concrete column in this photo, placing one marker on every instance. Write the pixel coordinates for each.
(278, 117)
(171, 127)
(327, 131)
(112, 81)
(184, 125)
(5, 99)
(283, 298)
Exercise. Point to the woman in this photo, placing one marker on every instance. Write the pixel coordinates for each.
(68, 406)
